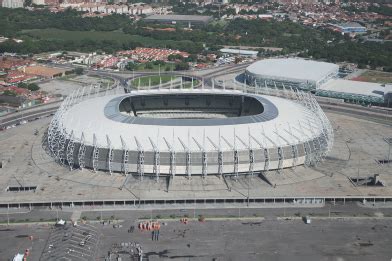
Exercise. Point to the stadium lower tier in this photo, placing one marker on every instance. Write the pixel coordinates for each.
(197, 163)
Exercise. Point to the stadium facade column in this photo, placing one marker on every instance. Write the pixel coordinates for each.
(81, 152)
(140, 160)
(125, 156)
(95, 155)
(70, 151)
(110, 154)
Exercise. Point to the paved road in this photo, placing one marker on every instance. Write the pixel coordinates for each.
(272, 211)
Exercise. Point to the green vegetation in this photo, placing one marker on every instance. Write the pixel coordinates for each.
(155, 80)
(30, 86)
(383, 9)
(9, 93)
(78, 71)
(376, 76)
(15, 20)
(44, 31)
(151, 66)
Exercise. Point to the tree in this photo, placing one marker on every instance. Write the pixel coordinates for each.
(174, 57)
(149, 66)
(27, 3)
(9, 93)
(33, 87)
(130, 66)
(78, 71)
(182, 66)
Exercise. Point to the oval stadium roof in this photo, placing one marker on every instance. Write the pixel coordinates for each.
(291, 68)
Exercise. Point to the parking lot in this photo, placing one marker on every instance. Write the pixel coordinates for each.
(68, 242)
(354, 239)
(258, 235)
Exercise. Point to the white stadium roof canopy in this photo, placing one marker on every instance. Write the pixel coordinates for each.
(88, 117)
(292, 68)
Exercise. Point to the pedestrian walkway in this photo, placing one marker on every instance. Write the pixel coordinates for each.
(76, 215)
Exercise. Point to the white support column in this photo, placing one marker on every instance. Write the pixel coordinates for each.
(70, 151)
(306, 145)
(61, 152)
(203, 155)
(294, 146)
(95, 153)
(110, 156)
(234, 149)
(140, 161)
(125, 157)
(172, 152)
(187, 159)
(218, 148)
(81, 152)
(156, 167)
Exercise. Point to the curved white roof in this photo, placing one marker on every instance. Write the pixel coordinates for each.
(292, 68)
(294, 124)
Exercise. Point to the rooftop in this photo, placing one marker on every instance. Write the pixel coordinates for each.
(184, 18)
(278, 114)
(291, 68)
(355, 87)
(238, 51)
(349, 24)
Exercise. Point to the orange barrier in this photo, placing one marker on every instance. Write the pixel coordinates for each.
(149, 226)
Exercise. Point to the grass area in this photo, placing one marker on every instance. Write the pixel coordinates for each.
(375, 76)
(155, 80)
(168, 67)
(78, 36)
(85, 38)
(145, 81)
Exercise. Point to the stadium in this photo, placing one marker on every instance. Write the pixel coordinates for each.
(297, 73)
(188, 132)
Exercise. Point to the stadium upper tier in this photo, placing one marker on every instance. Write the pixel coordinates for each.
(189, 132)
(298, 73)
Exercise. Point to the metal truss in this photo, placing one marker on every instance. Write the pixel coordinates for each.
(188, 159)
(265, 151)
(280, 150)
(234, 149)
(251, 153)
(156, 167)
(294, 147)
(70, 151)
(81, 152)
(125, 157)
(110, 156)
(95, 155)
(61, 152)
(172, 159)
(203, 156)
(307, 150)
(140, 159)
(220, 154)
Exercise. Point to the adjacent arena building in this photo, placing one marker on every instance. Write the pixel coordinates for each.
(292, 72)
(189, 132)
